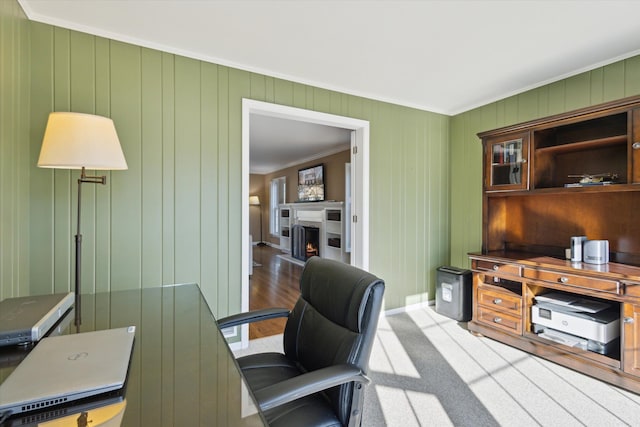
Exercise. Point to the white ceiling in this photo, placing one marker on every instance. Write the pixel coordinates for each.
(277, 143)
(442, 56)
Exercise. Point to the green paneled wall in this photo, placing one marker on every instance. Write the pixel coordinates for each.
(14, 151)
(174, 215)
(611, 82)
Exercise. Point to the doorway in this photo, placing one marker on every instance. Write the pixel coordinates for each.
(359, 181)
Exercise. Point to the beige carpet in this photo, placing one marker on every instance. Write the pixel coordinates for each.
(428, 369)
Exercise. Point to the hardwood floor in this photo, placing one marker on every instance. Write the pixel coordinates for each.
(275, 283)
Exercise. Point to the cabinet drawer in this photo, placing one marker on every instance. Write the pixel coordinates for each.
(489, 279)
(498, 267)
(603, 285)
(514, 286)
(496, 298)
(632, 289)
(500, 320)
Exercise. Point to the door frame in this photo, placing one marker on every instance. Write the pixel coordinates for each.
(359, 182)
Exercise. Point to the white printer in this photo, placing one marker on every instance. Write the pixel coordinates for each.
(576, 321)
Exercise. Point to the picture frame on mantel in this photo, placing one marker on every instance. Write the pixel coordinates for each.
(311, 184)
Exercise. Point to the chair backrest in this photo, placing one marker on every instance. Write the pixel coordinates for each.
(334, 322)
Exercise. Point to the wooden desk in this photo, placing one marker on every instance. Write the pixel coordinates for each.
(182, 371)
(505, 290)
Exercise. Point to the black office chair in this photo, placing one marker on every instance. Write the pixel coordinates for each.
(319, 380)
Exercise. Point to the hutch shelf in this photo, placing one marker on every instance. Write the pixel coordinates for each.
(572, 174)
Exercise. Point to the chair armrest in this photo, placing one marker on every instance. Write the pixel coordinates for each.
(306, 384)
(252, 316)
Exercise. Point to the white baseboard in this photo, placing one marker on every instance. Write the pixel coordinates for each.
(410, 307)
(235, 346)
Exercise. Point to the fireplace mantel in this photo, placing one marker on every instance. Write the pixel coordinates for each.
(328, 216)
(314, 205)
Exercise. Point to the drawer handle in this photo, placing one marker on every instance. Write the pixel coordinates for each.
(563, 279)
(497, 320)
(635, 145)
(496, 267)
(497, 301)
(628, 320)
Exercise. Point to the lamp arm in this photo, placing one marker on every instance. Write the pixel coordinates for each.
(93, 179)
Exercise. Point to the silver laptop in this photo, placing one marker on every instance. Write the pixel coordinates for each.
(66, 368)
(12, 355)
(28, 319)
(97, 411)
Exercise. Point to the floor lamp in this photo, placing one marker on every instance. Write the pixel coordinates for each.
(81, 141)
(255, 201)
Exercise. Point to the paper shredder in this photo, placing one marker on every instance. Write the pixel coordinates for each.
(453, 293)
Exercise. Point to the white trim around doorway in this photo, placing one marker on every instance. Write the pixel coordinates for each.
(359, 182)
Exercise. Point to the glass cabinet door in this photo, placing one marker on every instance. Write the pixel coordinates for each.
(507, 166)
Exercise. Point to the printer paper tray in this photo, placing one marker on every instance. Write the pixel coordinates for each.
(575, 341)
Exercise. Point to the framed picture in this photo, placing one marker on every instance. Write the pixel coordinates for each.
(311, 184)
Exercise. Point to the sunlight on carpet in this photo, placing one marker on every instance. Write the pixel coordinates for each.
(427, 369)
(388, 355)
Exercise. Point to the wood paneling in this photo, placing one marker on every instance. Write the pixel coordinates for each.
(187, 160)
(174, 215)
(14, 151)
(125, 187)
(41, 220)
(152, 162)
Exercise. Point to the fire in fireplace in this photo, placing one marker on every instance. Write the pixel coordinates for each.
(311, 250)
(305, 242)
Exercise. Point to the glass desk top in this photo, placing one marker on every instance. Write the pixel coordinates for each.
(182, 371)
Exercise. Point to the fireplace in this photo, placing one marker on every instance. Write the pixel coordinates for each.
(305, 242)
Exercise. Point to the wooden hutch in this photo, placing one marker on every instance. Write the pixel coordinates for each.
(533, 202)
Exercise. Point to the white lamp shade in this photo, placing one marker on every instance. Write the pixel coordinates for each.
(254, 200)
(77, 140)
